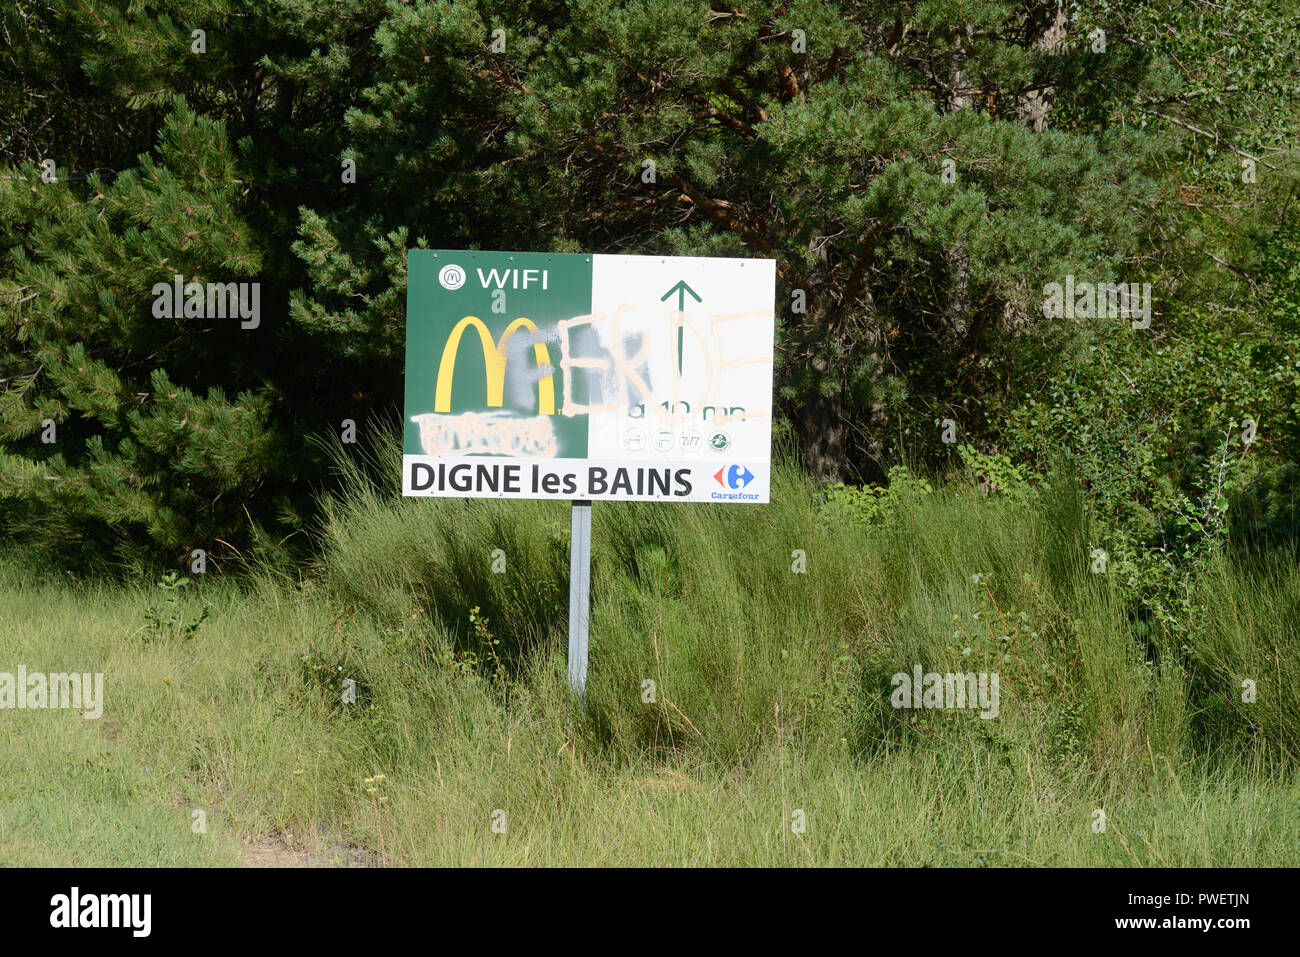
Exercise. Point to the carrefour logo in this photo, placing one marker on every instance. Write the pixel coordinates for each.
(737, 476)
(451, 276)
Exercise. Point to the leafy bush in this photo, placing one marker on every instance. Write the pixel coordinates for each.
(167, 617)
(871, 504)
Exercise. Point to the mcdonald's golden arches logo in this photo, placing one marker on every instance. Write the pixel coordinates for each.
(494, 364)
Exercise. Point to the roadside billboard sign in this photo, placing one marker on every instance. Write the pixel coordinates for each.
(588, 377)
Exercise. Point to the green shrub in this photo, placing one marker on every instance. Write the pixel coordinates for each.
(168, 617)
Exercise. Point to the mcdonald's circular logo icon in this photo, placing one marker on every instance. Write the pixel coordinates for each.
(451, 276)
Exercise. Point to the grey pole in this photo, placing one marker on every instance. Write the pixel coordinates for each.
(579, 595)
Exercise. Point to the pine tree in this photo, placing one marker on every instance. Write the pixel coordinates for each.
(918, 171)
(133, 447)
(183, 144)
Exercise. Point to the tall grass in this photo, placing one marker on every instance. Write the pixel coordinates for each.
(741, 664)
(734, 611)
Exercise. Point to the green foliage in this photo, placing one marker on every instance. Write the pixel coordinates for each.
(487, 641)
(168, 618)
(920, 292)
(996, 473)
(870, 504)
(1179, 438)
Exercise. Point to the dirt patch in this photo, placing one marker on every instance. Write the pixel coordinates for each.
(270, 852)
(276, 851)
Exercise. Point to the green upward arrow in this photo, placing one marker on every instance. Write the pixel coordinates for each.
(681, 289)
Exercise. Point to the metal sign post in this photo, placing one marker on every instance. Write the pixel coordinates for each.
(579, 595)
